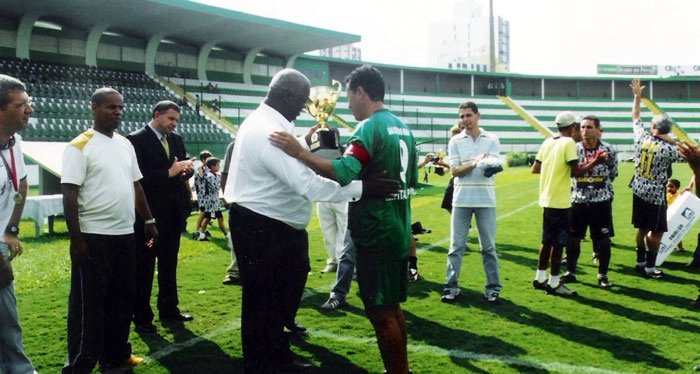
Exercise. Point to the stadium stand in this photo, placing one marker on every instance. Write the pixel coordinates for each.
(431, 116)
(61, 95)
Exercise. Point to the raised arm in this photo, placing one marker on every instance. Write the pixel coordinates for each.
(637, 89)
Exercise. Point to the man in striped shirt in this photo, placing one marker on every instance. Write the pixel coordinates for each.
(473, 153)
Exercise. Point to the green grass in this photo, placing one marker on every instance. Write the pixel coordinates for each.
(638, 326)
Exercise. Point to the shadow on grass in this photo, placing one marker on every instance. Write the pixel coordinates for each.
(437, 335)
(198, 356)
(508, 252)
(638, 351)
(332, 363)
(671, 278)
(638, 315)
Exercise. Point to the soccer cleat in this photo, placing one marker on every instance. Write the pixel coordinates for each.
(561, 290)
(568, 278)
(539, 286)
(493, 298)
(639, 269)
(449, 296)
(653, 273)
(413, 275)
(333, 304)
(604, 282)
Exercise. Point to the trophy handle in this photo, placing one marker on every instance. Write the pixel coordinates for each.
(337, 92)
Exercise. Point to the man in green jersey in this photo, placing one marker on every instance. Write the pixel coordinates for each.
(380, 228)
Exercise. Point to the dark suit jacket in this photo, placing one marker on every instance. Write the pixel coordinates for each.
(168, 198)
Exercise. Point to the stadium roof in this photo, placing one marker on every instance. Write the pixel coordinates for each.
(182, 21)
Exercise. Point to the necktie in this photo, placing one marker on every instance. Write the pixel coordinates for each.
(164, 140)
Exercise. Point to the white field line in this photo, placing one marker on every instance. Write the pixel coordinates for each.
(428, 349)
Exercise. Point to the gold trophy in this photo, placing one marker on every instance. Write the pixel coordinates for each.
(321, 104)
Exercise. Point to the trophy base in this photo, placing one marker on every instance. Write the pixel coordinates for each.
(326, 144)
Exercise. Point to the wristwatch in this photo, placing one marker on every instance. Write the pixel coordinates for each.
(12, 230)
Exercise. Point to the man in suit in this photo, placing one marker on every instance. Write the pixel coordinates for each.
(165, 167)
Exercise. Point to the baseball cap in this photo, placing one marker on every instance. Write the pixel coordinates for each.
(565, 119)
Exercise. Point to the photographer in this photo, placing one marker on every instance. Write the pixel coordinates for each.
(432, 159)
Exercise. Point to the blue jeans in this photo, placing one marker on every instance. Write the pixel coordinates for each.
(346, 269)
(12, 357)
(486, 224)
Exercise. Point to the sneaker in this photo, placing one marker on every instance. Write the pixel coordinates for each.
(539, 286)
(413, 275)
(568, 278)
(653, 273)
(493, 298)
(561, 290)
(330, 268)
(449, 296)
(333, 304)
(604, 282)
(231, 280)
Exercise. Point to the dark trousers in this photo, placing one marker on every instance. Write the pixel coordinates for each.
(100, 304)
(274, 263)
(166, 252)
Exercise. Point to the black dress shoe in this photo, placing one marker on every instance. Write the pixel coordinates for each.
(295, 327)
(180, 317)
(145, 328)
(297, 366)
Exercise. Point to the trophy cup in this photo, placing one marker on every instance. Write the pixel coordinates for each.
(321, 104)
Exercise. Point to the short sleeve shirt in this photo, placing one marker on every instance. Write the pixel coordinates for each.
(7, 187)
(597, 184)
(555, 172)
(105, 169)
(378, 224)
(653, 158)
(473, 189)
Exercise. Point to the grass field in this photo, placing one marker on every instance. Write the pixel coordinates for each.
(638, 326)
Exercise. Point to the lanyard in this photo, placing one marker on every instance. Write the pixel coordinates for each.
(11, 171)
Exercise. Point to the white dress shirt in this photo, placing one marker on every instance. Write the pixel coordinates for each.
(264, 179)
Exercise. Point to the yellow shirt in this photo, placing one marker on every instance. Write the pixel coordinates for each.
(671, 197)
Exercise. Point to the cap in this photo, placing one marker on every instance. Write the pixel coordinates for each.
(565, 119)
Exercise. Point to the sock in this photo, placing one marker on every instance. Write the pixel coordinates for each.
(641, 254)
(554, 281)
(541, 276)
(651, 259)
(202, 235)
(413, 262)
